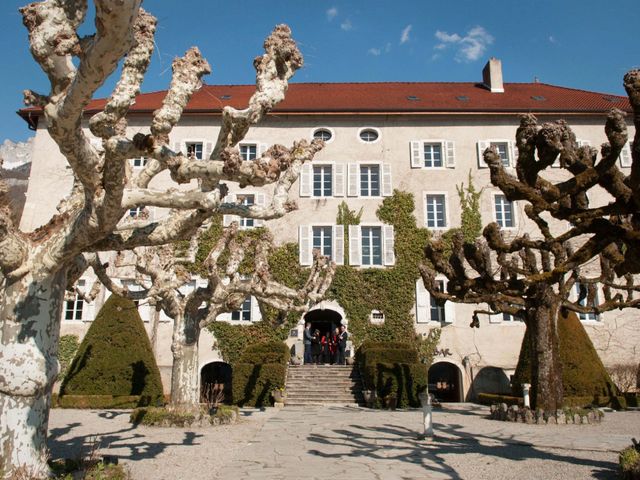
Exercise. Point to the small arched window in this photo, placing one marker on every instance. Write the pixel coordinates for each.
(369, 135)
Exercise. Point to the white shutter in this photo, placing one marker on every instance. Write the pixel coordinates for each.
(260, 201)
(177, 147)
(513, 154)
(355, 245)
(625, 156)
(256, 316)
(449, 312)
(422, 302)
(305, 180)
(353, 189)
(228, 219)
(338, 180)
(261, 148)
(417, 158)
(304, 245)
(208, 147)
(388, 239)
(450, 149)
(482, 146)
(338, 244)
(387, 186)
(224, 317)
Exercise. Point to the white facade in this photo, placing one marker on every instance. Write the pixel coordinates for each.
(367, 155)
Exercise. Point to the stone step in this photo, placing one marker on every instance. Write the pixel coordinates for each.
(323, 385)
(321, 404)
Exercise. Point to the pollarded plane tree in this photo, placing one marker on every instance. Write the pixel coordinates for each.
(535, 276)
(236, 268)
(37, 266)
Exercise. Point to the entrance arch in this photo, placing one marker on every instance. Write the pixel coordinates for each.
(445, 382)
(215, 382)
(325, 316)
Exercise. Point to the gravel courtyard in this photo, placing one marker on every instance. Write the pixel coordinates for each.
(351, 443)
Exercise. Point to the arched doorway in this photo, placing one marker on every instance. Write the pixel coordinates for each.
(325, 320)
(215, 383)
(491, 380)
(445, 382)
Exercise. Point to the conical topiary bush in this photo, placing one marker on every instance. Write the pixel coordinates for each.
(583, 374)
(115, 356)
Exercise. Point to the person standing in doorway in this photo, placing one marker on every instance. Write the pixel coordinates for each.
(307, 343)
(342, 344)
(334, 346)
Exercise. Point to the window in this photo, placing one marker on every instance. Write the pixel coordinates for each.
(73, 306)
(376, 317)
(322, 181)
(507, 317)
(328, 239)
(136, 212)
(139, 162)
(246, 200)
(369, 180)
(581, 291)
(504, 211)
(626, 159)
(436, 211)
(248, 151)
(369, 135)
(504, 148)
(194, 150)
(436, 307)
(244, 314)
(323, 134)
(503, 151)
(323, 240)
(433, 154)
(371, 246)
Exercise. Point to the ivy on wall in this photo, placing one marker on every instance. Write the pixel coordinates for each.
(358, 291)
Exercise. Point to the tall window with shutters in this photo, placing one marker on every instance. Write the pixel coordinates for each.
(428, 309)
(369, 180)
(322, 179)
(328, 239)
(432, 154)
(371, 246)
(194, 150)
(248, 151)
(504, 212)
(505, 149)
(246, 200)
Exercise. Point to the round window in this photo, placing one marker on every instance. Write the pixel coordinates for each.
(368, 135)
(323, 134)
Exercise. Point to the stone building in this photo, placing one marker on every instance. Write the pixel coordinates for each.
(422, 138)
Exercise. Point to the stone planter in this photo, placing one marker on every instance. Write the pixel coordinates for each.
(514, 413)
(278, 396)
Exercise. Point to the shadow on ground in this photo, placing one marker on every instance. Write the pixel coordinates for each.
(392, 442)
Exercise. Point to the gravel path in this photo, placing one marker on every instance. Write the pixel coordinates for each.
(353, 443)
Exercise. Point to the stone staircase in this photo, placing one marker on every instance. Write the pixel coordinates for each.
(323, 385)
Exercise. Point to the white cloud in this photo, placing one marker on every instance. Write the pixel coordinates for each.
(552, 39)
(374, 51)
(331, 13)
(470, 47)
(346, 25)
(387, 47)
(404, 36)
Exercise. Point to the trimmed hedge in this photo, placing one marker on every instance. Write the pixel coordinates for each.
(99, 401)
(373, 356)
(266, 352)
(115, 357)
(492, 398)
(404, 380)
(583, 374)
(252, 383)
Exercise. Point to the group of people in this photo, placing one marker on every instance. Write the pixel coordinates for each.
(328, 348)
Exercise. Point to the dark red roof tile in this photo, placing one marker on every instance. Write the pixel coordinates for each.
(396, 97)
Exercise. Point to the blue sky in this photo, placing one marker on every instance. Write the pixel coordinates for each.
(582, 44)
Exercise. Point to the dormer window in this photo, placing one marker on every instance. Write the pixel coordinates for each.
(194, 150)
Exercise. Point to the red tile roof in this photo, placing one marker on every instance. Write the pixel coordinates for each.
(394, 97)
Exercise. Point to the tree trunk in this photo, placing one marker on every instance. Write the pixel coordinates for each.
(546, 367)
(30, 313)
(185, 378)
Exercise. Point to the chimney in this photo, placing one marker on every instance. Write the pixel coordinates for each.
(492, 75)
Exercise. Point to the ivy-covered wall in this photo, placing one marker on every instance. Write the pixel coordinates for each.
(358, 291)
